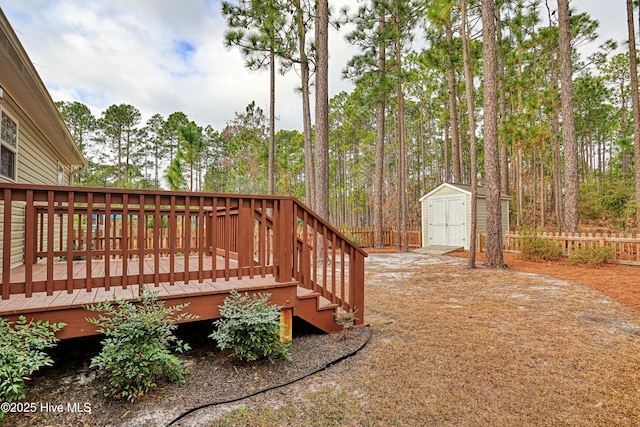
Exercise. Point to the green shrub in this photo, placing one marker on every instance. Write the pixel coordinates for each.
(250, 328)
(135, 353)
(21, 354)
(591, 256)
(536, 248)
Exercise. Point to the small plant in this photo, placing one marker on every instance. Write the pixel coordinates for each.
(250, 328)
(21, 353)
(346, 319)
(135, 353)
(536, 248)
(355, 238)
(590, 256)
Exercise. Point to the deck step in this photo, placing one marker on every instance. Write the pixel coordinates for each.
(316, 310)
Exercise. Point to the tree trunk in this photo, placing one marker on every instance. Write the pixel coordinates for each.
(555, 142)
(403, 240)
(378, 182)
(119, 159)
(492, 157)
(402, 162)
(502, 110)
(322, 109)
(519, 186)
(468, 80)
(306, 110)
(272, 124)
(447, 160)
(636, 102)
(568, 126)
(453, 115)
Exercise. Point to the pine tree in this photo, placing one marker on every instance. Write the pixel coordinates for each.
(491, 153)
(259, 29)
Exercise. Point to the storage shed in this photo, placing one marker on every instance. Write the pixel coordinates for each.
(446, 215)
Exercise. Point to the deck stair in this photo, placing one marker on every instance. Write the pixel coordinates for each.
(316, 310)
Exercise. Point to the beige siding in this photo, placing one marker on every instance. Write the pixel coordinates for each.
(17, 233)
(481, 219)
(37, 160)
(505, 216)
(446, 191)
(37, 163)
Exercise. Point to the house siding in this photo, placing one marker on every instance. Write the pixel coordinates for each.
(37, 159)
(37, 163)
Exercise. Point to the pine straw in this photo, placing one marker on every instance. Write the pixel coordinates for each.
(453, 346)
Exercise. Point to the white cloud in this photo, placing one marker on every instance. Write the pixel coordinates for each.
(121, 51)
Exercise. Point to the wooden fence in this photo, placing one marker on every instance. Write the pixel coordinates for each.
(363, 236)
(625, 247)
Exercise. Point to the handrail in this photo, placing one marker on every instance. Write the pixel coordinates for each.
(327, 262)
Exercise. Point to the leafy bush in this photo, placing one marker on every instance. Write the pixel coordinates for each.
(591, 256)
(250, 327)
(21, 354)
(135, 353)
(536, 248)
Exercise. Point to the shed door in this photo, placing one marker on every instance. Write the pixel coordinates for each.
(447, 221)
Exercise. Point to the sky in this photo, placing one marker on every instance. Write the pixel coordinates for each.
(163, 56)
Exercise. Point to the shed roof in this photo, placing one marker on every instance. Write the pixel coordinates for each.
(463, 188)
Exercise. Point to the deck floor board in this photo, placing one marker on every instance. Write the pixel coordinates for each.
(40, 301)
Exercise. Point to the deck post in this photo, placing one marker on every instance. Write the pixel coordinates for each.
(245, 234)
(283, 241)
(286, 319)
(356, 289)
(6, 244)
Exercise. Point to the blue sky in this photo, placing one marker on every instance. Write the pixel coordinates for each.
(163, 56)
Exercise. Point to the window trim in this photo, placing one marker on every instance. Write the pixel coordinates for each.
(14, 150)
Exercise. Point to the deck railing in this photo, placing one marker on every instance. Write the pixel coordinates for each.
(327, 262)
(83, 238)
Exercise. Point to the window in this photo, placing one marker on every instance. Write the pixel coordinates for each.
(60, 174)
(8, 146)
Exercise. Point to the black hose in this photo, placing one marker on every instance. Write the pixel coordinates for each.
(222, 402)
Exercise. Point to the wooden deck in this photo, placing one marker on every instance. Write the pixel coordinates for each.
(109, 273)
(204, 296)
(41, 300)
(73, 246)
